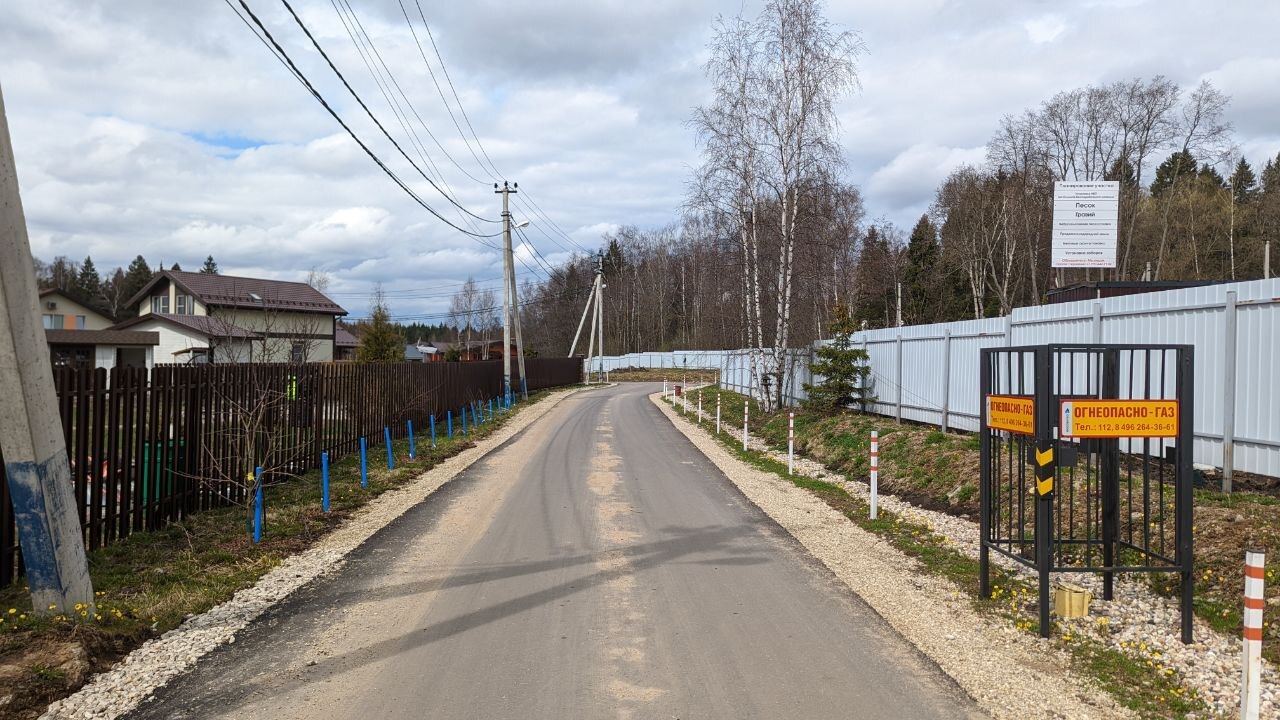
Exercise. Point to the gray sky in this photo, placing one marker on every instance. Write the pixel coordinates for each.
(167, 129)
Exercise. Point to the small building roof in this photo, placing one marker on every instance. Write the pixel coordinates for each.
(101, 337)
(343, 338)
(242, 292)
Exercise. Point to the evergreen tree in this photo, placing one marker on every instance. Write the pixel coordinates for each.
(381, 342)
(210, 267)
(135, 277)
(1244, 185)
(845, 369)
(1271, 176)
(88, 284)
(175, 268)
(1212, 177)
(1180, 164)
(920, 296)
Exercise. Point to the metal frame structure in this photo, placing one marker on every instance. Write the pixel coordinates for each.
(1096, 505)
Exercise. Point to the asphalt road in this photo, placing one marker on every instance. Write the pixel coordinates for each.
(595, 566)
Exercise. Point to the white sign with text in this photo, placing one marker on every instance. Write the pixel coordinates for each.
(1086, 219)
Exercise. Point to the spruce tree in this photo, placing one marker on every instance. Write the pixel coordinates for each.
(135, 278)
(845, 370)
(381, 342)
(920, 288)
(1179, 164)
(210, 267)
(175, 268)
(89, 284)
(1244, 184)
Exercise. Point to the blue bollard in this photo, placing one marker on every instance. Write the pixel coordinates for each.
(257, 505)
(324, 481)
(450, 420)
(410, 439)
(364, 464)
(464, 419)
(433, 430)
(391, 460)
(490, 408)
(524, 389)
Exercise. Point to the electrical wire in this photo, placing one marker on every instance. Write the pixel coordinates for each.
(302, 78)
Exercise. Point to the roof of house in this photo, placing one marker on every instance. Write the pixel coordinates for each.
(343, 338)
(101, 337)
(210, 326)
(243, 292)
(411, 352)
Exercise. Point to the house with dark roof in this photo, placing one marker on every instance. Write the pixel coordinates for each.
(344, 345)
(203, 317)
(80, 336)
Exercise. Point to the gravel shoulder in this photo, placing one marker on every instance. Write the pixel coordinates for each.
(1010, 674)
(158, 661)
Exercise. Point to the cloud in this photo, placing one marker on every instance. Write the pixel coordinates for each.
(168, 130)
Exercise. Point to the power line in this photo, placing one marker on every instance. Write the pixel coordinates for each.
(297, 72)
(369, 112)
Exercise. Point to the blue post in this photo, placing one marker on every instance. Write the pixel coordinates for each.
(524, 389)
(391, 460)
(464, 419)
(324, 480)
(258, 509)
(410, 439)
(364, 464)
(433, 430)
(490, 408)
(450, 420)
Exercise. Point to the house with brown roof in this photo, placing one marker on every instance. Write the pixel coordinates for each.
(80, 336)
(204, 317)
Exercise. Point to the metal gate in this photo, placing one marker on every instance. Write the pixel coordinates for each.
(1086, 463)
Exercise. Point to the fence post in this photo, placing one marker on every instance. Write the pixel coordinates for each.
(1251, 662)
(1229, 394)
(324, 481)
(257, 505)
(364, 463)
(391, 462)
(875, 473)
(745, 411)
(946, 380)
(897, 380)
(1097, 323)
(791, 443)
(411, 447)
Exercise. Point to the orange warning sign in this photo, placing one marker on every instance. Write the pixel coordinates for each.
(1118, 418)
(1015, 414)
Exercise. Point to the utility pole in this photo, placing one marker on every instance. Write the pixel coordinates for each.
(600, 286)
(35, 453)
(899, 304)
(595, 290)
(510, 302)
(1266, 259)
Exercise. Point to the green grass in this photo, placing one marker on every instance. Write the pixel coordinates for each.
(1134, 683)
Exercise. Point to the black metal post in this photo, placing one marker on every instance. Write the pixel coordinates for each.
(1186, 388)
(1044, 500)
(984, 478)
(1109, 482)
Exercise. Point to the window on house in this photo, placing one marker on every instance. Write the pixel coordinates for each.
(298, 353)
(160, 304)
(79, 322)
(53, 322)
(183, 305)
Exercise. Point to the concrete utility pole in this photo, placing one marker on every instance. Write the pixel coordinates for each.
(600, 286)
(1266, 259)
(35, 453)
(510, 301)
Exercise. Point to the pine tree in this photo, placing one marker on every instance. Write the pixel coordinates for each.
(920, 296)
(845, 370)
(1180, 164)
(210, 267)
(381, 342)
(175, 268)
(1244, 184)
(89, 284)
(135, 278)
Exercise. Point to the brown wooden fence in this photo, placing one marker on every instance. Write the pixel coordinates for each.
(149, 448)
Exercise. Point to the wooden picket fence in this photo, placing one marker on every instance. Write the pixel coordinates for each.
(150, 447)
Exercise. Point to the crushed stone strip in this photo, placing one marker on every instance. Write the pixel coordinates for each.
(1009, 673)
(115, 692)
(1137, 622)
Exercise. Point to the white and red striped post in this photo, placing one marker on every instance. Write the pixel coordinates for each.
(745, 410)
(875, 473)
(699, 407)
(664, 388)
(791, 443)
(1251, 669)
(717, 413)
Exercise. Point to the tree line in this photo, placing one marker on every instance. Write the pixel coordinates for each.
(107, 293)
(773, 239)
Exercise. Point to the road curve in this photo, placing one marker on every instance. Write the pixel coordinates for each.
(595, 566)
